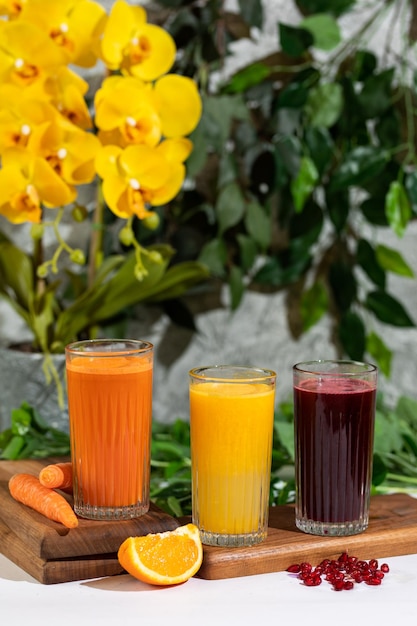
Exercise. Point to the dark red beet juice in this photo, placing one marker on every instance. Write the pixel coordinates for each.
(334, 427)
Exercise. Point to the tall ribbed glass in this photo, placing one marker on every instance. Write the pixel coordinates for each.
(231, 420)
(110, 412)
(334, 414)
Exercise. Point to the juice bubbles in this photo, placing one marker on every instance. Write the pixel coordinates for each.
(231, 418)
(334, 416)
(110, 410)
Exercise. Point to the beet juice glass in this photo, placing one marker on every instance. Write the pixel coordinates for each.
(334, 415)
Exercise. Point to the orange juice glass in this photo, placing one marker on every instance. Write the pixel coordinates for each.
(231, 423)
(110, 414)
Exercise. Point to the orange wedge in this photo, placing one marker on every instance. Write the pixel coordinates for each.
(167, 558)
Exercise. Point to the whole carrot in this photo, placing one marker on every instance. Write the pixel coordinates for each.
(57, 476)
(27, 489)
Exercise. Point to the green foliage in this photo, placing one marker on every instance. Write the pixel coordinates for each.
(29, 436)
(304, 156)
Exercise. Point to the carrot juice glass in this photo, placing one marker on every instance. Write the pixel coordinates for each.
(334, 414)
(231, 425)
(109, 385)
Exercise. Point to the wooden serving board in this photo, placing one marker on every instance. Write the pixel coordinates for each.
(392, 531)
(52, 553)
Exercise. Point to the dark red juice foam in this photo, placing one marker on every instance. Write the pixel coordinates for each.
(334, 422)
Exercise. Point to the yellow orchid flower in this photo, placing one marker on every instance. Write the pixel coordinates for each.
(68, 150)
(133, 46)
(27, 55)
(19, 116)
(27, 183)
(178, 103)
(67, 91)
(140, 176)
(125, 112)
(73, 25)
(129, 111)
(11, 8)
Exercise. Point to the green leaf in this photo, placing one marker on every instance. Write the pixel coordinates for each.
(376, 94)
(219, 114)
(387, 309)
(314, 304)
(16, 272)
(214, 255)
(407, 409)
(236, 286)
(303, 185)
(247, 77)
(352, 335)
(379, 470)
(334, 7)
(392, 261)
(358, 166)
(343, 284)
(397, 208)
(293, 96)
(258, 224)
(13, 448)
(230, 207)
(227, 169)
(368, 260)
(321, 147)
(252, 12)
(387, 437)
(338, 206)
(410, 185)
(294, 41)
(380, 352)
(324, 105)
(248, 251)
(21, 420)
(288, 152)
(325, 30)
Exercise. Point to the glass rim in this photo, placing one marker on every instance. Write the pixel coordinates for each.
(259, 374)
(317, 367)
(100, 347)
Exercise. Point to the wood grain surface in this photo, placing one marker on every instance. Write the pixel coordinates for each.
(52, 553)
(392, 531)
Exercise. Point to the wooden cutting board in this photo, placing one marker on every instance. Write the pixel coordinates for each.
(392, 531)
(53, 554)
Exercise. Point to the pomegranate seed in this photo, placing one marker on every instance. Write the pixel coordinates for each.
(312, 581)
(341, 573)
(338, 585)
(293, 569)
(373, 580)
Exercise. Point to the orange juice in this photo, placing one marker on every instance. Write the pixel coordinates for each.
(231, 445)
(110, 409)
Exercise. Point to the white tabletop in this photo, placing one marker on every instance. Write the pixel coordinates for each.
(274, 599)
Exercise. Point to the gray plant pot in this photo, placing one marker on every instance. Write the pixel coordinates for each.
(22, 379)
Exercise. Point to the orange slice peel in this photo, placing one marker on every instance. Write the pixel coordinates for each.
(167, 558)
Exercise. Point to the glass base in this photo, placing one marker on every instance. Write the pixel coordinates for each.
(332, 529)
(231, 541)
(109, 513)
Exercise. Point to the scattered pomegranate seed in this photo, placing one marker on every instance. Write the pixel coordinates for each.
(341, 573)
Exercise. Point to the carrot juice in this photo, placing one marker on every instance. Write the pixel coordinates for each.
(110, 411)
(231, 421)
